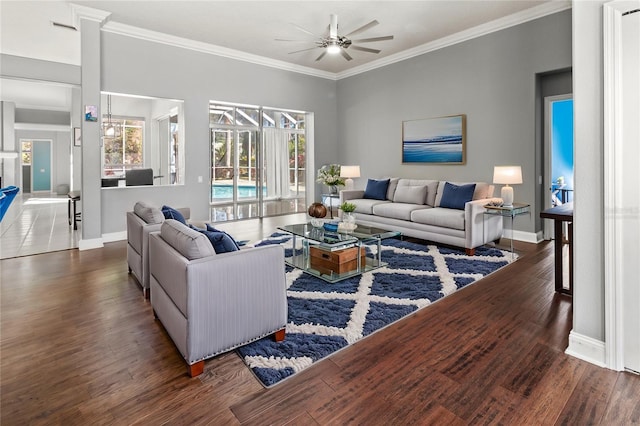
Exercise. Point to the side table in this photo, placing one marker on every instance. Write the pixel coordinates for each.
(512, 211)
(327, 200)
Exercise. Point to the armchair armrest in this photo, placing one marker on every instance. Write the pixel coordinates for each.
(235, 298)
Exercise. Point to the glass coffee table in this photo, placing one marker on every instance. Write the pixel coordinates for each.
(335, 256)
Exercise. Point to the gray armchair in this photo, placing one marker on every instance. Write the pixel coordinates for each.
(143, 220)
(212, 303)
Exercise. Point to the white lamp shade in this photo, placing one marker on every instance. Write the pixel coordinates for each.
(507, 175)
(349, 172)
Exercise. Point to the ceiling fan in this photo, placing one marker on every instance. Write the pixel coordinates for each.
(335, 43)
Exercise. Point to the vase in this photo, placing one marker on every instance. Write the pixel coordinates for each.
(334, 189)
(348, 222)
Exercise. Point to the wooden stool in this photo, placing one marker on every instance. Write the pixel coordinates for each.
(74, 196)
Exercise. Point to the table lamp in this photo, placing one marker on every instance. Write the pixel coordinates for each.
(349, 172)
(507, 175)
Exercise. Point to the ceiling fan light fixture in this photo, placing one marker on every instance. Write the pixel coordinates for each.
(333, 48)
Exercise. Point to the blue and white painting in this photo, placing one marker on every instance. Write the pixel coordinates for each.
(434, 140)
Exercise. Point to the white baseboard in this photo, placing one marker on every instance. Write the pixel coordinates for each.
(114, 236)
(587, 349)
(527, 237)
(93, 243)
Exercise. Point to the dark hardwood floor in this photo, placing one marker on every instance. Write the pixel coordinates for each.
(79, 345)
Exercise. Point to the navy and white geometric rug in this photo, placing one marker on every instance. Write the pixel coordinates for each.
(324, 317)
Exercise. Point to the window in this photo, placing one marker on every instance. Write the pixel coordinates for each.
(123, 151)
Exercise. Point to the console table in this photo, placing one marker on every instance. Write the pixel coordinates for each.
(559, 215)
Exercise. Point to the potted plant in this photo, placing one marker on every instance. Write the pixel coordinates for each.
(330, 175)
(347, 217)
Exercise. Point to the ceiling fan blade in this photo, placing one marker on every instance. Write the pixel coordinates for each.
(345, 54)
(303, 50)
(293, 40)
(364, 49)
(304, 30)
(324, 52)
(363, 28)
(367, 40)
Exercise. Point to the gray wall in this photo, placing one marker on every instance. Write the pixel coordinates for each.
(491, 79)
(170, 72)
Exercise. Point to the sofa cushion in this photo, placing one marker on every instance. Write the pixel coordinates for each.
(483, 190)
(188, 242)
(456, 196)
(401, 211)
(391, 189)
(148, 213)
(432, 188)
(171, 213)
(365, 206)
(410, 194)
(376, 189)
(441, 217)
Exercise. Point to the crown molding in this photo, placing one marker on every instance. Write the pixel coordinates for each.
(540, 11)
(198, 46)
(83, 12)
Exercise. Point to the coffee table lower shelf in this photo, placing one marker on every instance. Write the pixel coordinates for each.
(329, 276)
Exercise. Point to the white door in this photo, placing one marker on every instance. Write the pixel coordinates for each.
(630, 201)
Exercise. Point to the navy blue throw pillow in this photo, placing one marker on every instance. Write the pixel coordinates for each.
(228, 240)
(221, 242)
(376, 189)
(171, 213)
(456, 196)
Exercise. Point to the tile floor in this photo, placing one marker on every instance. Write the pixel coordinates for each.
(37, 223)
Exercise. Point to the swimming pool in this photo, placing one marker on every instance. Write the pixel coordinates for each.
(225, 192)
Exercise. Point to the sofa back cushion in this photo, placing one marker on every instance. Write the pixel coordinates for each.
(483, 190)
(431, 185)
(188, 242)
(391, 189)
(148, 213)
(410, 194)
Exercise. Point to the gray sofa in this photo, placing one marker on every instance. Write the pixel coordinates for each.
(412, 206)
(212, 303)
(143, 220)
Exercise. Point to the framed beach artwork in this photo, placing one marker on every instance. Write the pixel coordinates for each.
(440, 140)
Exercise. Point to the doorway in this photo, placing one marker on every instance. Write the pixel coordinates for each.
(558, 148)
(258, 161)
(36, 165)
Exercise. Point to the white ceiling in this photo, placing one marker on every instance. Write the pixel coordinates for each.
(249, 29)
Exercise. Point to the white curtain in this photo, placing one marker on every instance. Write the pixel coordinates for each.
(277, 163)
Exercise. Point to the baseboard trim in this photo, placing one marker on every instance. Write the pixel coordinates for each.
(91, 244)
(527, 237)
(114, 236)
(587, 349)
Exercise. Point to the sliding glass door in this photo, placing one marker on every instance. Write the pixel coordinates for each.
(257, 162)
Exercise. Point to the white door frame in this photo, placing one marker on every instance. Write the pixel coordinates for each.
(614, 259)
(548, 160)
